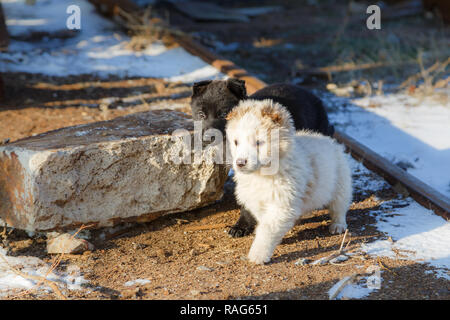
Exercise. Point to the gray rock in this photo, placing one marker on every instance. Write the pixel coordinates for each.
(106, 173)
(339, 259)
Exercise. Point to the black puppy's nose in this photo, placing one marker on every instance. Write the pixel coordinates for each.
(241, 162)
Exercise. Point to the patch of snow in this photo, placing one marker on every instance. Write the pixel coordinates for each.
(417, 233)
(81, 133)
(403, 129)
(353, 290)
(12, 283)
(136, 282)
(99, 48)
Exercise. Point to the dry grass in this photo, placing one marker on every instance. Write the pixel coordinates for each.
(430, 78)
(145, 28)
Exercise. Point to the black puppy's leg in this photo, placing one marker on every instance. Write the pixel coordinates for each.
(244, 226)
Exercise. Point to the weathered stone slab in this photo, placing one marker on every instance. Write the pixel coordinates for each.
(105, 173)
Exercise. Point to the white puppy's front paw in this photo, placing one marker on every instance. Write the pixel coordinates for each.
(258, 256)
(336, 228)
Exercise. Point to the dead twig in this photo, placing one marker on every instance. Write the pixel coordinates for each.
(343, 239)
(145, 28)
(336, 254)
(428, 73)
(340, 285)
(40, 279)
(382, 266)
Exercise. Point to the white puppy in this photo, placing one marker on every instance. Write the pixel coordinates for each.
(282, 175)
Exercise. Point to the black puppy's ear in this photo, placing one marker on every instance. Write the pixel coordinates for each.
(199, 87)
(237, 87)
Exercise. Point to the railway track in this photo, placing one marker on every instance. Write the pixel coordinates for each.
(400, 179)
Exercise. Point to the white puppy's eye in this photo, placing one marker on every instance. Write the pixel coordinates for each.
(259, 143)
(235, 142)
(201, 115)
(223, 115)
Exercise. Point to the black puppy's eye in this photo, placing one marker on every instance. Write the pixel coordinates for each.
(223, 115)
(201, 115)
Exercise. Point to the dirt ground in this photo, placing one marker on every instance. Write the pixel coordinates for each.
(37, 103)
(181, 261)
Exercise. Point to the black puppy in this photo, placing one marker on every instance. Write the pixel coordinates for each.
(213, 99)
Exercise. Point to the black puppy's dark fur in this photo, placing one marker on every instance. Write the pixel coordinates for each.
(212, 100)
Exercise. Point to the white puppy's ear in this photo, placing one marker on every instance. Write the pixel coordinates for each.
(274, 114)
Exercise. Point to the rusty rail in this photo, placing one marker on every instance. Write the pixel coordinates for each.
(418, 190)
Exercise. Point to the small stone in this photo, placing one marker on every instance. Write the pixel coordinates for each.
(137, 246)
(302, 262)
(195, 292)
(203, 268)
(66, 243)
(320, 261)
(161, 253)
(131, 293)
(339, 259)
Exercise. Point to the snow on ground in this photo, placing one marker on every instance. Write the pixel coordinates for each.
(412, 231)
(412, 133)
(417, 234)
(99, 47)
(136, 282)
(11, 283)
(355, 289)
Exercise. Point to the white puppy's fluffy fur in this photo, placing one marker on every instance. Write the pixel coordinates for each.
(312, 173)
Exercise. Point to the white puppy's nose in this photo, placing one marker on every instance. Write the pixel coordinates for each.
(241, 162)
